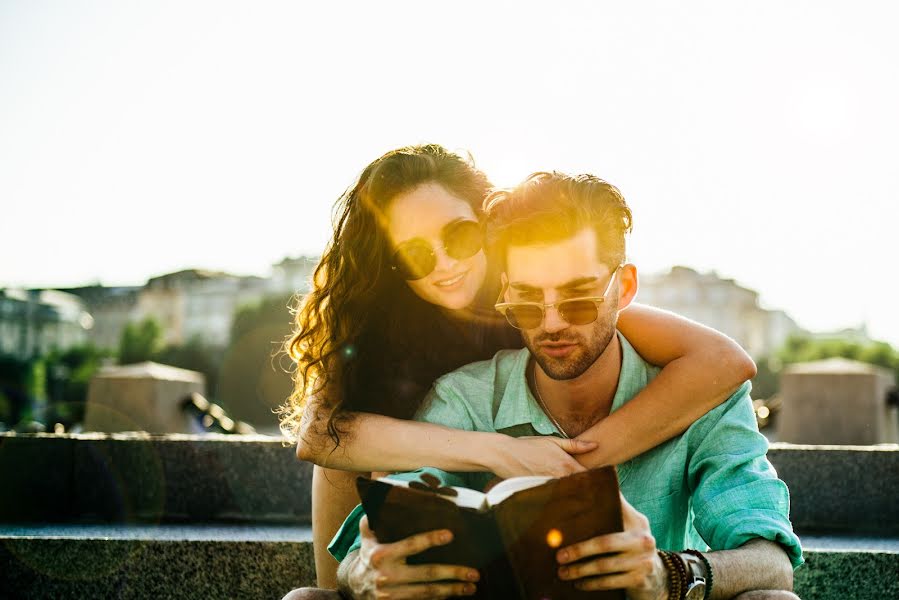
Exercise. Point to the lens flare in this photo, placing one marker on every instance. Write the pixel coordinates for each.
(554, 538)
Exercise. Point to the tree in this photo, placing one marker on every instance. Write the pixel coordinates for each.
(195, 355)
(140, 342)
(253, 381)
(69, 373)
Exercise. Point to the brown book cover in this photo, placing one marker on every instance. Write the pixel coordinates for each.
(510, 535)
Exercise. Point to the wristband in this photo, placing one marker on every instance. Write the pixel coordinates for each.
(709, 579)
(677, 574)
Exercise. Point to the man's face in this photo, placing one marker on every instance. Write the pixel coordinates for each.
(553, 272)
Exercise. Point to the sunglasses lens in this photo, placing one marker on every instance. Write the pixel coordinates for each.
(525, 317)
(578, 312)
(463, 239)
(414, 260)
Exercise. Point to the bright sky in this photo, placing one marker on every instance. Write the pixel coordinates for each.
(756, 139)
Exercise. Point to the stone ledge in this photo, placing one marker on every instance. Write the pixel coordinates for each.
(109, 562)
(130, 478)
(143, 478)
(842, 489)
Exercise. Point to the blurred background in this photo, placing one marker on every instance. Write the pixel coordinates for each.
(167, 172)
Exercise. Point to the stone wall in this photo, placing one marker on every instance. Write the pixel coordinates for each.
(136, 516)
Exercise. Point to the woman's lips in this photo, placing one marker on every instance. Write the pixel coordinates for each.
(451, 283)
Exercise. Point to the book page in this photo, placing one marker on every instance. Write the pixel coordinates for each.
(464, 497)
(506, 488)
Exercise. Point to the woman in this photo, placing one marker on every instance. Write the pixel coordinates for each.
(404, 294)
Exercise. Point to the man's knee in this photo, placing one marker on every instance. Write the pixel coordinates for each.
(312, 594)
(767, 595)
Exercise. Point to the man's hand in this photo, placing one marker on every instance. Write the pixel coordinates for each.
(625, 560)
(538, 455)
(380, 570)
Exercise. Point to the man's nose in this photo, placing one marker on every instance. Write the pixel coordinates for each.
(552, 320)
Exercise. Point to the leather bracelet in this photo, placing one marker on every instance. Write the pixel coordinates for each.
(708, 571)
(677, 574)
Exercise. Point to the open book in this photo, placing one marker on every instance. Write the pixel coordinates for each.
(510, 534)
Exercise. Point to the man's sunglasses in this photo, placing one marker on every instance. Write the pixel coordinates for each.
(576, 311)
(416, 258)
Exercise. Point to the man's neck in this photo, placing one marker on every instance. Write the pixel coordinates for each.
(577, 404)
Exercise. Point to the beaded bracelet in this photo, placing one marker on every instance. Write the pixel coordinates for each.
(708, 571)
(677, 574)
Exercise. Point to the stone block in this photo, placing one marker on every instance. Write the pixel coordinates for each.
(142, 397)
(35, 477)
(220, 478)
(848, 489)
(77, 568)
(837, 401)
(118, 565)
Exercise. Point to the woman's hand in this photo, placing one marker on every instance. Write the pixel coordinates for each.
(538, 455)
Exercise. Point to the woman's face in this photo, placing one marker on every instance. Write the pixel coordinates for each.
(429, 213)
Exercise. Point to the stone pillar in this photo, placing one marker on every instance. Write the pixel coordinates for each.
(142, 397)
(837, 401)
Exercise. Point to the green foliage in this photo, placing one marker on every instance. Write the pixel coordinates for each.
(766, 382)
(253, 383)
(798, 349)
(804, 349)
(69, 373)
(14, 373)
(195, 355)
(140, 342)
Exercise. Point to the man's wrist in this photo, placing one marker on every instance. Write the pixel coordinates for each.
(346, 574)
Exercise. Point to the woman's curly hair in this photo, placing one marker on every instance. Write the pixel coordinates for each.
(355, 292)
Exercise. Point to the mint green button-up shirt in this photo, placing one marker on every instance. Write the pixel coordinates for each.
(710, 488)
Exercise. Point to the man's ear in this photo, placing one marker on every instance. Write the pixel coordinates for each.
(627, 285)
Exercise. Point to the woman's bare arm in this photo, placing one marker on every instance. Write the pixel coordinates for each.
(373, 442)
(333, 497)
(701, 369)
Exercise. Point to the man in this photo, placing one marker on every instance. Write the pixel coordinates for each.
(565, 279)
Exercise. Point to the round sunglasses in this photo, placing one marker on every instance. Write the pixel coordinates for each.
(416, 258)
(575, 311)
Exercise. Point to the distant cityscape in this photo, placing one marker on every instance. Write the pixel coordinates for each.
(187, 304)
(197, 303)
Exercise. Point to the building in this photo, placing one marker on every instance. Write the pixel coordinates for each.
(187, 304)
(112, 309)
(293, 275)
(35, 322)
(722, 304)
(197, 303)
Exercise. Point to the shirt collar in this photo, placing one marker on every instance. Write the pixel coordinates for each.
(519, 407)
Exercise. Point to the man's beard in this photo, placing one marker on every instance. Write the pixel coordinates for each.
(586, 352)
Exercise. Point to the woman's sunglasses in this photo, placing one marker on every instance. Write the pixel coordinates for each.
(576, 311)
(416, 258)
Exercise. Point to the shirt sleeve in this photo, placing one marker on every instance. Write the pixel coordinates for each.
(347, 538)
(446, 405)
(736, 493)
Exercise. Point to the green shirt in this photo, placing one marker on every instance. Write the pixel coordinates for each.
(710, 488)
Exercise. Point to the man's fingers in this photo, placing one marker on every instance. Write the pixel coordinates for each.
(427, 590)
(434, 572)
(606, 565)
(625, 541)
(610, 582)
(421, 542)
